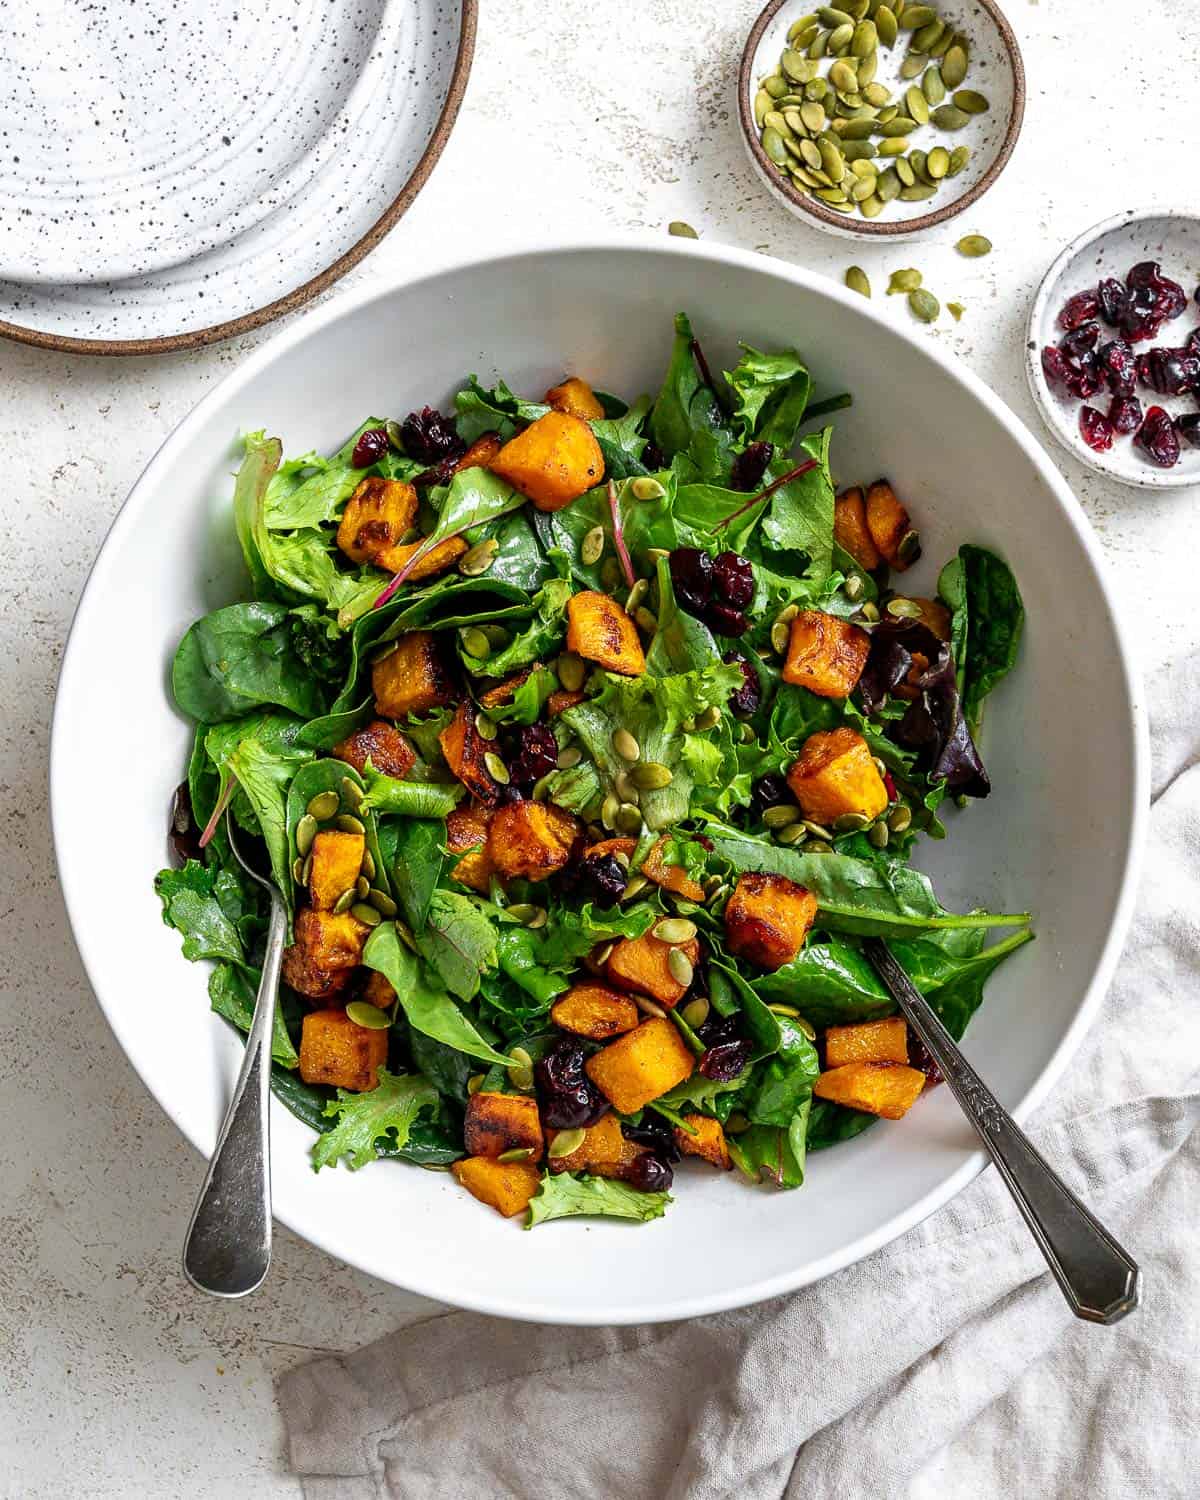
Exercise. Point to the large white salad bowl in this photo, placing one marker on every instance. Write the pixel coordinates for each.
(1064, 744)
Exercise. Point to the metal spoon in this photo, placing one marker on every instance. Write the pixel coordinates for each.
(227, 1252)
(1100, 1280)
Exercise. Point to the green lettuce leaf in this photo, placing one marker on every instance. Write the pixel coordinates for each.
(191, 905)
(563, 1196)
(459, 942)
(232, 992)
(244, 657)
(388, 1110)
(771, 393)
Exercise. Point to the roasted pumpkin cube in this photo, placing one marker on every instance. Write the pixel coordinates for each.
(835, 774)
(464, 748)
(506, 1186)
(642, 965)
(336, 864)
(380, 743)
(481, 452)
(327, 947)
(440, 557)
(531, 840)
(767, 919)
(496, 1123)
(606, 1151)
(610, 846)
(707, 1142)
(850, 529)
(642, 1065)
(504, 692)
(877, 1088)
(599, 630)
(334, 1050)
(867, 1041)
(670, 877)
(413, 678)
(378, 516)
(826, 655)
(575, 397)
(554, 461)
(594, 1011)
(561, 699)
(466, 834)
(378, 991)
(888, 523)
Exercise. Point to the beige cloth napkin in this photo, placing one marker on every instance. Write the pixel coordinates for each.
(944, 1365)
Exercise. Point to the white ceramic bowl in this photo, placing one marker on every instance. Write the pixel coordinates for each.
(1110, 248)
(1059, 835)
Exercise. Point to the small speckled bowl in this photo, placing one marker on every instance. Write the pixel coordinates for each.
(1110, 248)
(996, 70)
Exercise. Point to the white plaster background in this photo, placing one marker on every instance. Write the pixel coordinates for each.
(117, 1380)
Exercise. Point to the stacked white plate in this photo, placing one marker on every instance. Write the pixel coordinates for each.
(177, 173)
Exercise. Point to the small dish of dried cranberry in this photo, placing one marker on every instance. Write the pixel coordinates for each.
(1113, 350)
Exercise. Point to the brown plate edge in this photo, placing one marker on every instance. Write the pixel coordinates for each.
(291, 301)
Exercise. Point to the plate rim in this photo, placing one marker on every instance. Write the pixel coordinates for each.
(612, 1312)
(299, 296)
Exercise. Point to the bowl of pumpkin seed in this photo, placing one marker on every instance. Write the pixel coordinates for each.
(877, 120)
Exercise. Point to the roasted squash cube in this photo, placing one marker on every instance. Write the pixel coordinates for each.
(506, 1186)
(576, 398)
(504, 692)
(554, 461)
(466, 834)
(440, 557)
(826, 655)
(850, 530)
(378, 516)
(378, 991)
(642, 1065)
(670, 877)
(496, 1123)
(867, 1041)
(606, 1151)
(888, 522)
(464, 748)
(413, 678)
(336, 1051)
(380, 743)
(327, 947)
(642, 965)
(561, 699)
(594, 1011)
(531, 839)
(708, 1142)
(599, 630)
(834, 775)
(336, 864)
(876, 1088)
(481, 452)
(767, 919)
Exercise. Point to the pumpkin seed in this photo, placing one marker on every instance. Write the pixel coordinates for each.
(941, 47)
(680, 966)
(908, 548)
(844, 76)
(306, 871)
(932, 86)
(476, 644)
(955, 310)
(811, 153)
(917, 193)
(850, 823)
(917, 104)
(904, 609)
(520, 1069)
(888, 188)
(854, 130)
(914, 16)
(762, 103)
(869, 613)
(772, 144)
(348, 823)
(937, 163)
(540, 789)
(323, 806)
(651, 776)
(949, 117)
(565, 1143)
(954, 66)
(880, 765)
(645, 619)
(857, 9)
(366, 1015)
(570, 671)
(863, 188)
(838, 42)
(907, 280)
(959, 157)
(795, 123)
(629, 819)
(479, 558)
(857, 150)
(621, 858)
(517, 1153)
(886, 25)
(792, 834)
(897, 126)
(352, 794)
(904, 172)
(297, 871)
(674, 930)
(345, 901)
(534, 917)
(856, 278)
(818, 830)
(833, 17)
(624, 787)
(973, 245)
(816, 48)
(867, 68)
(368, 864)
(569, 757)
(911, 66)
(602, 954)
(877, 835)
(592, 547)
(609, 809)
(649, 1007)
(625, 745)
(485, 727)
(812, 116)
(695, 1012)
(780, 816)
(475, 1082)
(634, 886)
(683, 230)
(895, 147)
(780, 635)
(925, 38)
(789, 1011)
(362, 887)
(900, 819)
(815, 846)
(864, 39)
(382, 903)
(853, 586)
(496, 768)
(306, 831)
(775, 85)
(364, 912)
(924, 305)
(792, 63)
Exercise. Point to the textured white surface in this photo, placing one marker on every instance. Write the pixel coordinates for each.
(117, 1380)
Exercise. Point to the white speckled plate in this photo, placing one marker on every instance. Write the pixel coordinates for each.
(1111, 248)
(236, 158)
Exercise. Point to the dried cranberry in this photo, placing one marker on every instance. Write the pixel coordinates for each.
(1111, 297)
(1157, 438)
(1172, 299)
(1145, 275)
(1188, 427)
(536, 755)
(653, 457)
(440, 473)
(429, 436)
(1096, 429)
(722, 619)
(653, 1132)
(691, 578)
(601, 878)
(749, 467)
(725, 1061)
(370, 448)
(1119, 364)
(509, 793)
(769, 791)
(718, 1029)
(1170, 372)
(1086, 378)
(1079, 342)
(1081, 308)
(1193, 342)
(1054, 366)
(1125, 414)
(919, 1057)
(747, 698)
(182, 833)
(733, 580)
(567, 1097)
(1140, 319)
(1196, 296)
(889, 786)
(649, 1173)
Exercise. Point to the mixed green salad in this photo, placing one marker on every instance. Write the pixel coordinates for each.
(585, 742)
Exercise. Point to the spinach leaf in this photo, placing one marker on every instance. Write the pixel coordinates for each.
(497, 410)
(519, 559)
(542, 637)
(685, 405)
(952, 981)
(239, 658)
(475, 497)
(799, 516)
(830, 982)
(263, 774)
(330, 776)
(783, 1082)
(771, 392)
(362, 1119)
(644, 524)
(621, 441)
(232, 992)
(328, 730)
(682, 643)
(774, 1153)
(541, 961)
(191, 905)
(562, 1195)
(995, 620)
(446, 1068)
(829, 1124)
(458, 942)
(259, 463)
(415, 862)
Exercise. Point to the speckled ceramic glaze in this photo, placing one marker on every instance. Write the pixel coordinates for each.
(1110, 248)
(238, 157)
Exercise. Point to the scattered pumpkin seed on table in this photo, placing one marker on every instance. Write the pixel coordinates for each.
(856, 280)
(955, 310)
(973, 245)
(924, 305)
(907, 280)
(682, 230)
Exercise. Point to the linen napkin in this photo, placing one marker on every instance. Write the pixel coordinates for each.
(945, 1364)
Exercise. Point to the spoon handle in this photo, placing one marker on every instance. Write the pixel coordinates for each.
(1100, 1280)
(227, 1251)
